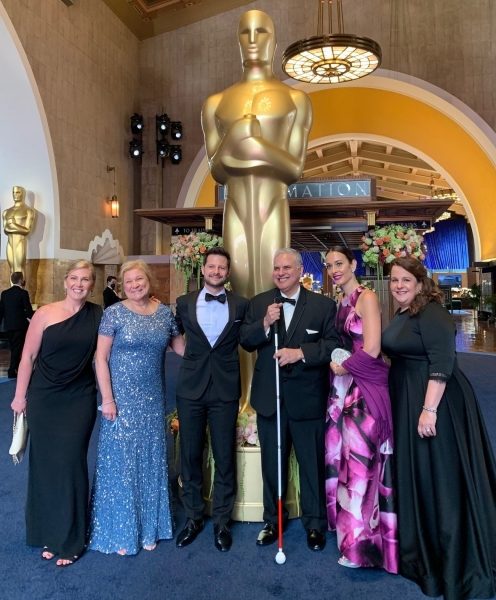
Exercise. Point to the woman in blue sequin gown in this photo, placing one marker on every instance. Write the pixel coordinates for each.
(130, 499)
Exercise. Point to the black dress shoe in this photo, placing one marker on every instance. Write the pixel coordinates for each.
(268, 535)
(316, 540)
(189, 533)
(222, 538)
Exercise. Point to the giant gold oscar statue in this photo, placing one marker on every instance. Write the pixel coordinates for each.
(18, 222)
(256, 134)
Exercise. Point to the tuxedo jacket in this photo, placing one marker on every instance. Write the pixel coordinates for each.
(203, 363)
(15, 308)
(109, 297)
(304, 386)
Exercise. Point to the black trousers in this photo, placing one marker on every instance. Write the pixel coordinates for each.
(307, 438)
(16, 339)
(194, 415)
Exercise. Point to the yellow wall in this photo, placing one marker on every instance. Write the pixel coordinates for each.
(375, 112)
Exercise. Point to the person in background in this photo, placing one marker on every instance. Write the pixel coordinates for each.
(307, 337)
(208, 392)
(445, 471)
(16, 312)
(130, 506)
(360, 502)
(56, 387)
(109, 294)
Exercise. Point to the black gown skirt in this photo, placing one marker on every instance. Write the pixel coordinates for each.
(61, 414)
(446, 485)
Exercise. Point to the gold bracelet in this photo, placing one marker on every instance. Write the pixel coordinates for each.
(432, 410)
(109, 402)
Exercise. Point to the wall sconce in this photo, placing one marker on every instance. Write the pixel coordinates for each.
(114, 201)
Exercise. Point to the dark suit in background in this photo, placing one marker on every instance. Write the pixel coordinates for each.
(109, 297)
(304, 387)
(208, 391)
(15, 310)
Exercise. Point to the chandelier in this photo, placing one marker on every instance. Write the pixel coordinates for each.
(332, 57)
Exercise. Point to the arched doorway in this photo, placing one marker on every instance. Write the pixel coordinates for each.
(410, 114)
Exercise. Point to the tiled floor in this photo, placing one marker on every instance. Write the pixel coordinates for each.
(472, 336)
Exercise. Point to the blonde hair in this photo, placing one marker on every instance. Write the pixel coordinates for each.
(81, 264)
(135, 264)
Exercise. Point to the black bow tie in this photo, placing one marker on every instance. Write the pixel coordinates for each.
(282, 300)
(220, 298)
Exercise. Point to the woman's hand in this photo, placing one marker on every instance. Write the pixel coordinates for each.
(109, 410)
(427, 424)
(338, 369)
(18, 405)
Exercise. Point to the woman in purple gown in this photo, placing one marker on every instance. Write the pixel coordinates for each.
(359, 490)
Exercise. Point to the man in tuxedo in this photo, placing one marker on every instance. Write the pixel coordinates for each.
(15, 310)
(306, 335)
(109, 294)
(208, 392)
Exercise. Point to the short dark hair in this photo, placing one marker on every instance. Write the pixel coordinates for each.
(218, 251)
(111, 278)
(17, 278)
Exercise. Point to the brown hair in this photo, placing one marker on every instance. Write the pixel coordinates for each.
(429, 291)
(218, 251)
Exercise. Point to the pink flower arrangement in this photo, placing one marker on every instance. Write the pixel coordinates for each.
(246, 430)
(383, 244)
(188, 251)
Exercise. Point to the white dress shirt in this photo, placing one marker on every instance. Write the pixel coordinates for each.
(212, 316)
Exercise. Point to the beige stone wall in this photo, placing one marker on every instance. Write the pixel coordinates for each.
(85, 62)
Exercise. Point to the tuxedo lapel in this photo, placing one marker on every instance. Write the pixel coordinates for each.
(231, 304)
(298, 313)
(193, 318)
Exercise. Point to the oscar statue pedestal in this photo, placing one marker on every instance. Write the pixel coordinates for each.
(248, 505)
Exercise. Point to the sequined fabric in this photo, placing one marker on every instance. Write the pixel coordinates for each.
(130, 498)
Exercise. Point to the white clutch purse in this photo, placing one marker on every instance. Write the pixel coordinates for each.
(339, 355)
(19, 437)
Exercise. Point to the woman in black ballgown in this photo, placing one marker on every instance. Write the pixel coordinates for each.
(445, 469)
(56, 387)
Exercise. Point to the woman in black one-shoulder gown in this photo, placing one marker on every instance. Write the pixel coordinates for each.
(61, 411)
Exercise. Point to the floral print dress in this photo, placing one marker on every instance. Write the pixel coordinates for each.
(358, 467)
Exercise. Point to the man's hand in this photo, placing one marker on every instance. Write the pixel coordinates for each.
(288, 356)
(272, 315)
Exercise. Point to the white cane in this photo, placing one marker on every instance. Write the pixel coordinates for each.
(280, 556)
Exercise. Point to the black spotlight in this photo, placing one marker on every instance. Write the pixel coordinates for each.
(135, 149)
(176, 154)
(163, 149)
(176, 130)
(162, 123)
(137, 124)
